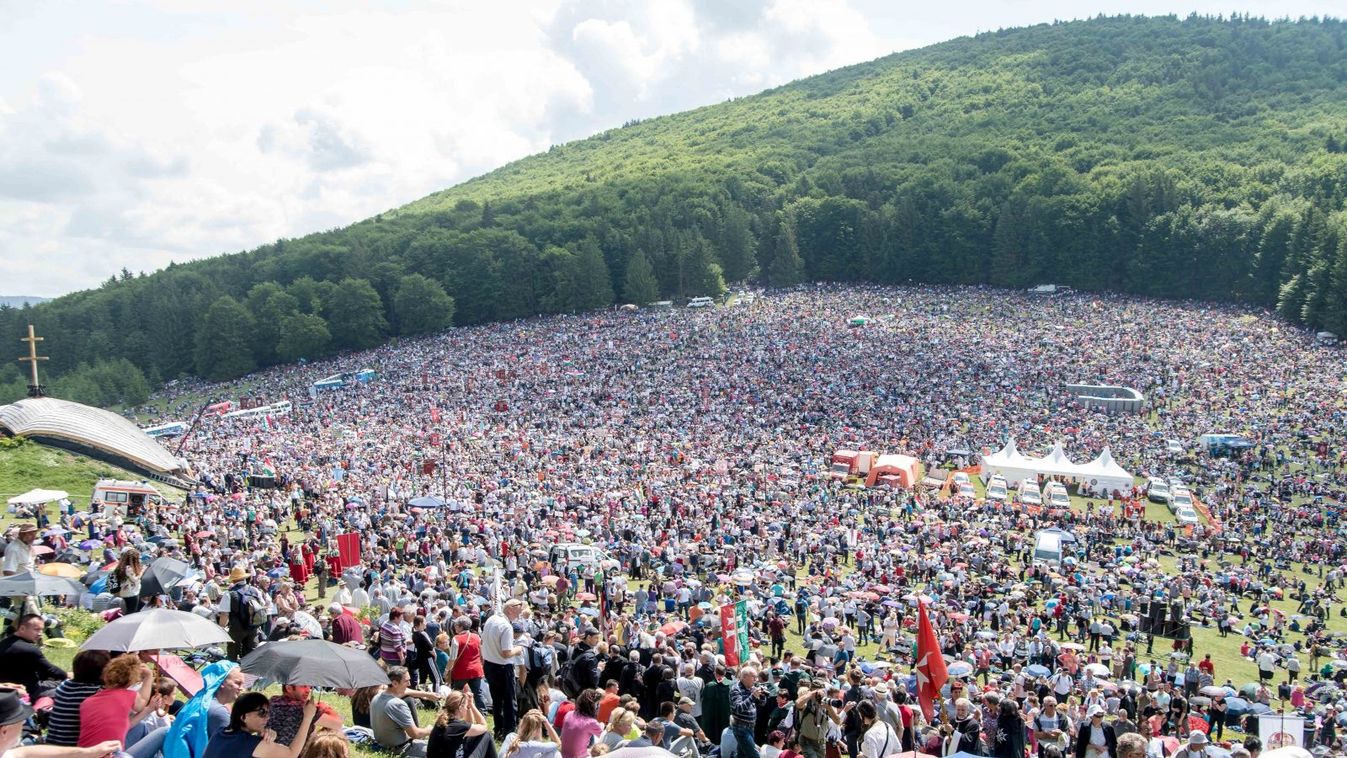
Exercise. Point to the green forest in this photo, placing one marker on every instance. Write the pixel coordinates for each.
(1196, 157)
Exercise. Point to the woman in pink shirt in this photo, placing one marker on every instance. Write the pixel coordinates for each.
(108, 713)
(582, 726)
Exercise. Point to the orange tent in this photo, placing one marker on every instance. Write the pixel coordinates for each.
(895, 471)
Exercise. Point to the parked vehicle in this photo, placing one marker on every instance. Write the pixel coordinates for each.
(1029, 494)
(997, 490)
(1157, 490)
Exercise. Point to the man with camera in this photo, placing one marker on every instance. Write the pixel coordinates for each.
(814, 717)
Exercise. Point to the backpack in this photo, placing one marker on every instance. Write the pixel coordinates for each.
(248, 607)
(539, 660)
(566, 677)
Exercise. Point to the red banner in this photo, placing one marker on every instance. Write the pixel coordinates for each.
(435, 415)
(729, 635)
(348, 548)
(931, 674)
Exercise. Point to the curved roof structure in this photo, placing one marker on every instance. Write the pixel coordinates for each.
(99, 433)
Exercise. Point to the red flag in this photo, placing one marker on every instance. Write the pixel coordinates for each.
(348, 547)
(729, 635)
(931, 674)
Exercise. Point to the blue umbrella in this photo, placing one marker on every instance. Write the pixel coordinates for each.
(427, 501)
(1236, 706)
(1037, 671)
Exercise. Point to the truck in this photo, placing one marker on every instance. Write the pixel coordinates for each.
(851, 464)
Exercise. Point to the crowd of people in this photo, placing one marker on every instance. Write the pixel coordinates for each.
(689, 452)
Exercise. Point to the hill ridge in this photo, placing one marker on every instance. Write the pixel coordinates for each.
(1181, 158)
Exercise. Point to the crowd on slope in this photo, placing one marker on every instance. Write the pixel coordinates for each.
(692, 450)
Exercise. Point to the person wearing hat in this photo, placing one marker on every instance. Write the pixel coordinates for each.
(1095, 739)
(232, 614)
(19, 553)
(1196, 746)
(23, 662)
(14, 713)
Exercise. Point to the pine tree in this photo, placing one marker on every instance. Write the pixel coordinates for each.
(787, 268)
(594, 284)
(641, 287)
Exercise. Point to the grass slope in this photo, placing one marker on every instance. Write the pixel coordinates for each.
(29, 465)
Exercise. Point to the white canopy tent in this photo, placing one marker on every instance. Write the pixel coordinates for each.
(1104, 476)
(1101, 476)
(1009, 463)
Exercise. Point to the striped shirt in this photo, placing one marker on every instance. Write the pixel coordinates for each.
(63, 727)
(392, 642)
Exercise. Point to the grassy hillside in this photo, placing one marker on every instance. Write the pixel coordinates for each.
(1194, 157)
(31, 466)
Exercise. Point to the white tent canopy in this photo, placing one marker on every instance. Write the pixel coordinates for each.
(1101, 476)
(37, 497)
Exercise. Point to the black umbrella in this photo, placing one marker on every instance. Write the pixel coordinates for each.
(316, 663)
(161, 575)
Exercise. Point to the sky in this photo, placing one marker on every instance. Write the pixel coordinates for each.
(135, 134)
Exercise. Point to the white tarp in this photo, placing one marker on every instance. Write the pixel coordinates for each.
(37, 497)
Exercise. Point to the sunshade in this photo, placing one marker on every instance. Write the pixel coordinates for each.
(36, 497)
(64, 570)
(316, 663)
(162, 575)
(156, 629)
(25, 584)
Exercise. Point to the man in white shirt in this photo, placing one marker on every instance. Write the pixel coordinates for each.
(500, 655)
(19, 553)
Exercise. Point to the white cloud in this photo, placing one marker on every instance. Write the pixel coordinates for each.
(135, 134)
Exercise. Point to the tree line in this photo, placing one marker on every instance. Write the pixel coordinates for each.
(1198, 158)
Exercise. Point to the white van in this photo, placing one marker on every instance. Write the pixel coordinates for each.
(1029, 494)
(1057, 497)
(701, 302)
(562, 557)
(1048, 547)
(996, 489)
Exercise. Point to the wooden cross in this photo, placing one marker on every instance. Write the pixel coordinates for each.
(34, 388)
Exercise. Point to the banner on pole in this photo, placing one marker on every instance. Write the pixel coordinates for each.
(729, 635)
(1277, 731)
(741, 629)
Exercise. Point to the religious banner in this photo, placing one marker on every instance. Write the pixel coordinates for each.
(1278, 731)
(729, 635)
(741, 628)
(348, 549)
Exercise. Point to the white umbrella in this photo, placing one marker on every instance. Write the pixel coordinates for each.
(157, 629)
(37, 497)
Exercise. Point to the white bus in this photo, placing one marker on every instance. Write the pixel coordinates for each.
(171, 429)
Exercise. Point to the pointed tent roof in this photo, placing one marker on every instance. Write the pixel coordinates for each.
(1105, 467)
(1007, 456)
(1055, 462)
